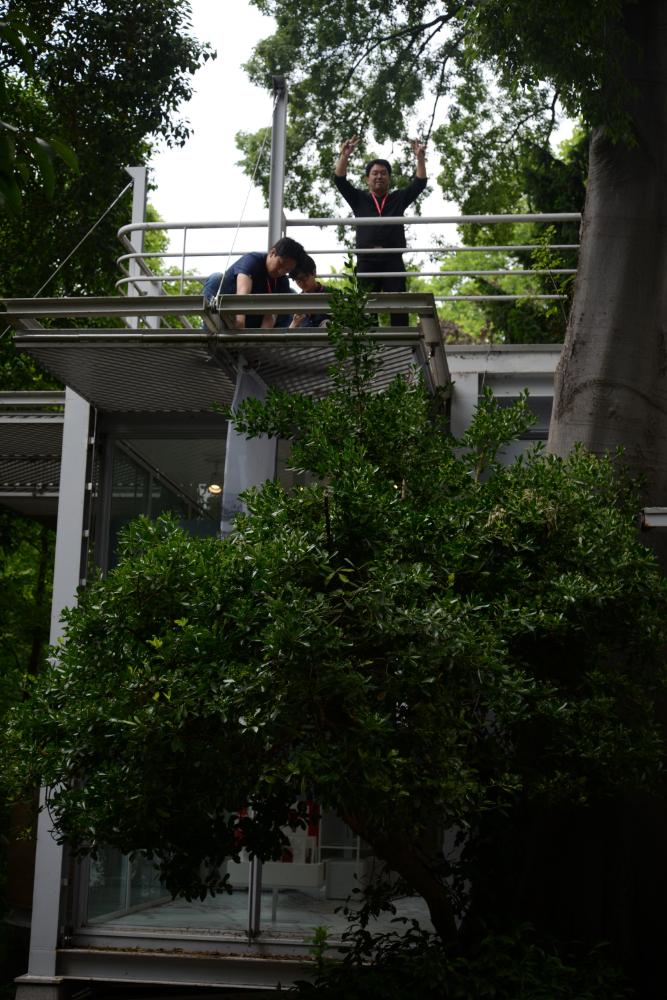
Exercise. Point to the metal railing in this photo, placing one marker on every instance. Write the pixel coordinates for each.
(140, 260)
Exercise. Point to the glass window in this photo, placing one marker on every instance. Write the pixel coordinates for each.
(319, 870)
(153, 476)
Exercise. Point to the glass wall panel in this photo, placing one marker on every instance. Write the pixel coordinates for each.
(107, 884)
(117, 885)
(153, 476)
(129, 495)
(323, 863)
(306, 888)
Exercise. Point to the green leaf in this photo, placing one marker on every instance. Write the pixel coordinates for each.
(10, 194)
(66, 153)
(43, 155)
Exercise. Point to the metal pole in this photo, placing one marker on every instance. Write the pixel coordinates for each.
(139, 177)
(66, 578)
(254, 897)
(277, 177)
(268, 447)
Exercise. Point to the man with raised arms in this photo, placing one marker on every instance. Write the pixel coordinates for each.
(379, 200)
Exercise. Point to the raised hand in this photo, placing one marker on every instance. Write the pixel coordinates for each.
(349, 146)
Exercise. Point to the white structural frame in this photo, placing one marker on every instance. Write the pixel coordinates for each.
(46, 925)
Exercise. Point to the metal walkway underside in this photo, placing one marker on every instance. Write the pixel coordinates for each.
(175, 369)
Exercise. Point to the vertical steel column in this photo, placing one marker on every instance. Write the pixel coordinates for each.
(45, 923)
(465, 397)
(139, 177)
(254, 897)
(245, 447)
(277, 177)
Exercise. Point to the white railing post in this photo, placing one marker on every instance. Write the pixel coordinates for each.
(139, 177)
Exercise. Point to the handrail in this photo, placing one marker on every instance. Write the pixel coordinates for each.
(434, 252)
(374, 220)
(167, 278)
(359, 251)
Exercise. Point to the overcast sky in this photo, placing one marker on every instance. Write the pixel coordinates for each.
(200, 181)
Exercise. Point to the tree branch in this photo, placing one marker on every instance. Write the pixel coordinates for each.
(440, 21)
(438, 95)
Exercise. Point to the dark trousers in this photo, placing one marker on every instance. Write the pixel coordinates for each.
(393, 262)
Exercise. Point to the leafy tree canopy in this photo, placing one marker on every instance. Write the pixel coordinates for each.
(22, 154)
(108, 79)
(498, 72)
(420, 639)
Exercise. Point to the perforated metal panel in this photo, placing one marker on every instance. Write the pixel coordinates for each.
(30, 453)
(304, 369)
(125, 377)
(140, 370)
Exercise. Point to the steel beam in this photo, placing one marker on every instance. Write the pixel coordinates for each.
(139, 177)
(653, 517)
(277, 175)
(177, 967)
(66, 578)
(145, 305)
(435, 350)
(21, 398)
(391, 336)
(282, 303)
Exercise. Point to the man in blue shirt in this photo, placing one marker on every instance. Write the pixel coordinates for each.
(257, 274)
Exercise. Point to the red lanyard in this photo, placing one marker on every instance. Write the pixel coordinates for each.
(270, 286)
(379, 206)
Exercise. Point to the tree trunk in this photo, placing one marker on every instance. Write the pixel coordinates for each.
(611, 383)
(405, 857)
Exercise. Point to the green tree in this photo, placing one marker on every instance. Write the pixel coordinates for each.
(601, 60)
(108, 80)
(22, 154)
(424, 639)
(532, 179)
(376, 69)
(26, 557)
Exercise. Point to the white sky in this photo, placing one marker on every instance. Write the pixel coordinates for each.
(200, 181)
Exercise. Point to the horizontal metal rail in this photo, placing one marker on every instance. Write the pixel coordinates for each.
(391, 337)
(27, 398)
(301, 307)
(408, 220)
(527, 296)
(358, 251)
(166, 279)
(134, 283)
(148, 305)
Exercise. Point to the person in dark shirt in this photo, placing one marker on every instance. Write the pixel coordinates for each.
(305, 276)
(380, 200)
(257, 274)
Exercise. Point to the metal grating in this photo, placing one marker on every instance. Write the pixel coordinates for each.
(30, 453)
(139, 370)
(33, 474)
(305, 369)
(118, 376)
(31, 434)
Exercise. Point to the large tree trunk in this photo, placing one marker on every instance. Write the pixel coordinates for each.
(611, 383)
(611, 390)
(417, 865)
